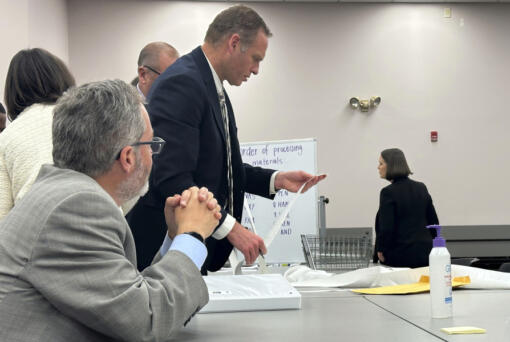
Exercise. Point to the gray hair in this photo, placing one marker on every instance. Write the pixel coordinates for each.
(92, 123)
(238, 19)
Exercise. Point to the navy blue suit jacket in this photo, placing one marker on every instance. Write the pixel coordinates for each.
(184, 110)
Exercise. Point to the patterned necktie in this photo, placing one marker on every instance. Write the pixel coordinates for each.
(230, 178)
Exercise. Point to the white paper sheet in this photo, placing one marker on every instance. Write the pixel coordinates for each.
(303, 276)
(236, 261)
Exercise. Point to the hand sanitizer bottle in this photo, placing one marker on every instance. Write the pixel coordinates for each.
(440, 277)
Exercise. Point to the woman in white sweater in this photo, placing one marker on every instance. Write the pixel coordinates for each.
(35, 80)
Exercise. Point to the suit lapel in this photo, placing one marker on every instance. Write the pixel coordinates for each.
(212, 95)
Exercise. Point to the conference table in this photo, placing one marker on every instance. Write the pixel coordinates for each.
(341, 315)
(487, 309)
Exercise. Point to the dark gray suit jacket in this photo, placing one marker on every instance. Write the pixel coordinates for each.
(67, 270)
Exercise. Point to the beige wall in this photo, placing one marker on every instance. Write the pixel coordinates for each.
(13, 35)
(48, 26)
(107, 36)
(433, 73)
(28, 24)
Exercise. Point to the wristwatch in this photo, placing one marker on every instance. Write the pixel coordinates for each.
(196, 236)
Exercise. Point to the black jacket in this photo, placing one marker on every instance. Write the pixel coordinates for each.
(405, 208)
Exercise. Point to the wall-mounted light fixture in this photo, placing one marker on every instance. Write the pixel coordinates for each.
(365, 105)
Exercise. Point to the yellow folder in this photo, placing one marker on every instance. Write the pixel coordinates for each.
(423, 285)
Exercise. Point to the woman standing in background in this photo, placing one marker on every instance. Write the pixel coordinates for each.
(405, 208)
(35, 80)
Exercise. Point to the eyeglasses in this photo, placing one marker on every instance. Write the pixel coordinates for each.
(156, 145)
(152, 69)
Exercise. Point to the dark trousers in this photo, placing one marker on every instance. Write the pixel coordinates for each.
(149, 228)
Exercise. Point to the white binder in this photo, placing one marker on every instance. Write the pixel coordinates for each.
(253, 292)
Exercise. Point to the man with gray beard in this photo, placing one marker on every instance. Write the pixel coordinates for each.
(67, 256)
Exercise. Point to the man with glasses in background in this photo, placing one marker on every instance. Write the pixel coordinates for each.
(67, 257)
(154, 58)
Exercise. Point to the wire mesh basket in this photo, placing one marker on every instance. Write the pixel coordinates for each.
(338, 252)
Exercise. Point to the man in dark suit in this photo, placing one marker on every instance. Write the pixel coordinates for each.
(189, 107)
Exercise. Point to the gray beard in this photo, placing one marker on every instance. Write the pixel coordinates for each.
(134, 187)
(130, 203)
(144, 189)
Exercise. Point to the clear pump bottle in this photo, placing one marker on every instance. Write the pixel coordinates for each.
(440, 277)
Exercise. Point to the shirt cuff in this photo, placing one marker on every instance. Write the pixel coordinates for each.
(272, 189)
(190, 246)
(165, 246)
(225, 227)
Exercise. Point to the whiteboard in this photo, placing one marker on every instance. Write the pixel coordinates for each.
(285, 155)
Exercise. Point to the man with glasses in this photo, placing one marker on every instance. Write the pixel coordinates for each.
(67, 257)
(190, 108)
(153, 60)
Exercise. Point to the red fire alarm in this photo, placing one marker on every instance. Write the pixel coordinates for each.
(433, 136)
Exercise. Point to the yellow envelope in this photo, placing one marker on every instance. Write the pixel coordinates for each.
(423, 285)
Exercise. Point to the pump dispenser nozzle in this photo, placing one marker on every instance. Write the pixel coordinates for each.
(438, 240)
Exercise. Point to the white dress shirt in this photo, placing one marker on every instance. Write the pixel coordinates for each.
(229, 221)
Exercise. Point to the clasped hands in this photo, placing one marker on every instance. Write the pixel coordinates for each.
(195, 210)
